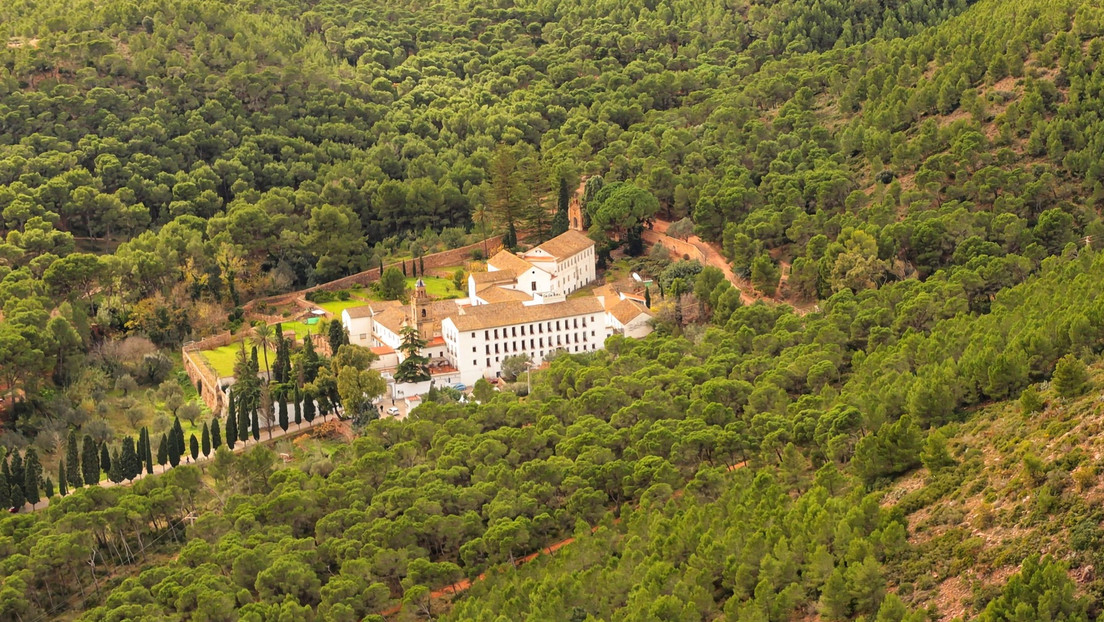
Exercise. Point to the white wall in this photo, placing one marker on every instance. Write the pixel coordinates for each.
(480, 353)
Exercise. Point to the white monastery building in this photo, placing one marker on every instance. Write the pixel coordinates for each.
(518, 307)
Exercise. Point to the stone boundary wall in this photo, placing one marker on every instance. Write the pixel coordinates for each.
(678, 248)
(203, 377)
(434, 260)
(200, 372)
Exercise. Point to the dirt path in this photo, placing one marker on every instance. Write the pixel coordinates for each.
(710, 254)
(465, 584)
(239, 447)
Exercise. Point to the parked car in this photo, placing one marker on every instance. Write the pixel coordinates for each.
(460, 386)
(393, 411)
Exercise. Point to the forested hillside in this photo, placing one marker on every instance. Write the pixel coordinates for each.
(924, 176)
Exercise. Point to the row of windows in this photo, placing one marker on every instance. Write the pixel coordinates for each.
(540, 328)
(535, 343)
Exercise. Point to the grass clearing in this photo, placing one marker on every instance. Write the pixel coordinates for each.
(437, 287)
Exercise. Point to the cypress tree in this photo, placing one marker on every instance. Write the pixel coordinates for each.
(131, 466)
(256, 425)
(253, 358)
(62, 475)
(380, 267)
(308, 406)
(17, 473)
(193, 447)
(337, 336)
(178, 434)
(163, 451)
(404, 269)
(32, 477)
(90, 462)
(421, 264)
(115, 473)
(72, 464)
(205, 440)
(648, 297)
(310, 360)
(296, 411)
(216, 434)
(170, 445)
(5, 490)
(244, 413)
(105, 459)
(283, 411)
(148, 456)
(140, 448)
(231, 430)
(17, 498)
(48, 486)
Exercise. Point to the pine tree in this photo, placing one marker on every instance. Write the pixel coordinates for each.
(205, 440)
(72, 464)
(32, 477)
(1071, 378)
(231, 429)
(131, 466)
(62, 475)
(163, 451)
(193, 447)
(105, 459)
(216, 434)
(835, 598)
(90, 461)
(115, 473)
(256, 425)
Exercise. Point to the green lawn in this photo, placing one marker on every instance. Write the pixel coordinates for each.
(222, 359)
(437, 287)
(337, 306)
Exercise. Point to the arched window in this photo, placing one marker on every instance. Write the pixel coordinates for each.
(423, 313)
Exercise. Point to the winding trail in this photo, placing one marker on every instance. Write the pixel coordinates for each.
(465, 584)
(709, 253)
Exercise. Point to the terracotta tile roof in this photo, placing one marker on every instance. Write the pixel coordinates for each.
(507, 261)
(383, 350)
(355, 313)
(493, 294)
(490, 278)
(565, 245)
(510, 313)
(392, 319)
(436, 341)
(628, 310)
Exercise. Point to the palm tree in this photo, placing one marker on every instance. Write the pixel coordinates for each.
(263, 339)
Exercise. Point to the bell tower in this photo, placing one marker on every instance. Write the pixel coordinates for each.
(419, 309)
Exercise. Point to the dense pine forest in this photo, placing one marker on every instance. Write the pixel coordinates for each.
(903, 427)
